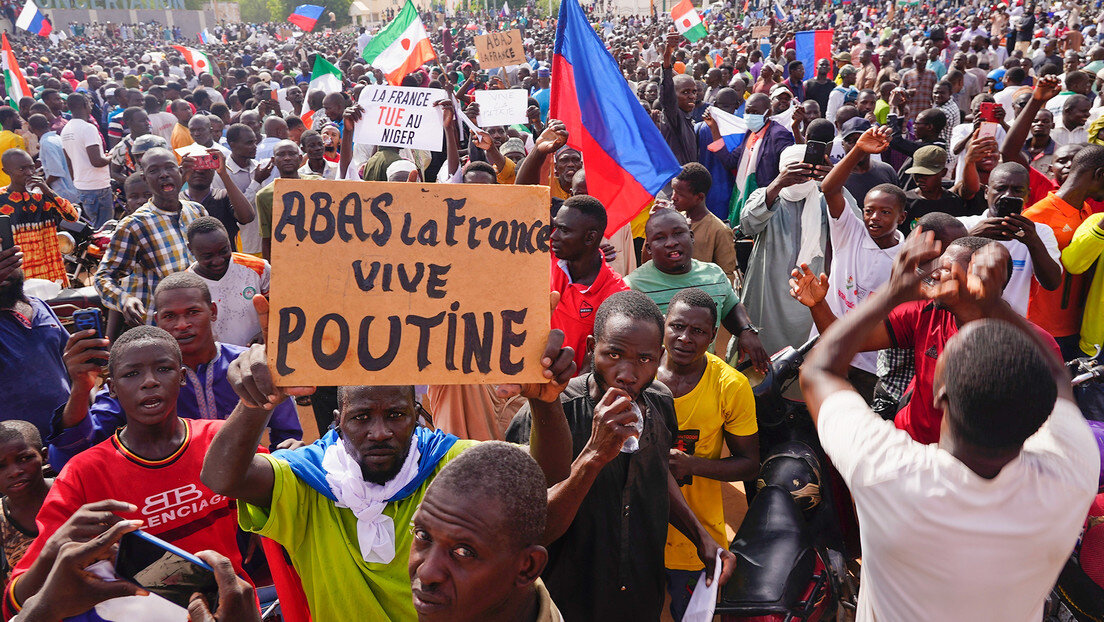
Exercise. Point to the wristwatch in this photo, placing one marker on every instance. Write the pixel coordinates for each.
(746, 327)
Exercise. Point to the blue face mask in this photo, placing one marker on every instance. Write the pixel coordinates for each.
(755, 122)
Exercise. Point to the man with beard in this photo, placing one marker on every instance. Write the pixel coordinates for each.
(31, 344)
(565, 161)
(341, 507)
(491, 503)
(608, 520)
(149, 244)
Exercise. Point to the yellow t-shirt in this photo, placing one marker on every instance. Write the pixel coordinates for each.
(722, 402)
(9, 140)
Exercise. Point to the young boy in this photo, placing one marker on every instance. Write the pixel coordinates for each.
(24, 487)
(149, 467)
(233, 278)
(137, 192)
(863, 249)
(929, 168)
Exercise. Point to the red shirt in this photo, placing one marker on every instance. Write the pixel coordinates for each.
(920, 326)
(578, 304)
(174, 505)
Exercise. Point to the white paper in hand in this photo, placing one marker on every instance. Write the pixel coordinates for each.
(704, 599)
(501, 107)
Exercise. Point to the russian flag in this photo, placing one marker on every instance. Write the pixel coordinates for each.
(813, 45)
(205, 37)
(32, 20)
(626, 159)
(780, 15)
(732, 128)
(305, 16)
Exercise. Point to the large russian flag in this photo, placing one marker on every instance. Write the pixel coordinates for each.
(813, 45)
(306, 16)
(626, 159)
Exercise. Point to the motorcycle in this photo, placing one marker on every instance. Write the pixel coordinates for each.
(82, 248)
(791, 546)
(1077, 596)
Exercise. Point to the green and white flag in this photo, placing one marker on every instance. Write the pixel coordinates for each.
(687, 21)
(400, 48)
(324, 77)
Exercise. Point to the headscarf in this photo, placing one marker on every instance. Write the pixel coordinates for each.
(807, 194)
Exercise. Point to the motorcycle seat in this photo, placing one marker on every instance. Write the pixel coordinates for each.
(775, 558)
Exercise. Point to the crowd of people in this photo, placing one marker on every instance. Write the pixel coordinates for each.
(928, 198)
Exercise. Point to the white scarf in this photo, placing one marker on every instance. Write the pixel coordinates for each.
(375, 531)
(806, 193)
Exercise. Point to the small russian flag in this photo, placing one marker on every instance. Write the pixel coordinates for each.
(205, 37)
(813, 45)
(779, 14)
(32, 20)
(305, 16)
(732, 128)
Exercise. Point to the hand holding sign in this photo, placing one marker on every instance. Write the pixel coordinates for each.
(249, 374)
(501, 107)
(399, 116)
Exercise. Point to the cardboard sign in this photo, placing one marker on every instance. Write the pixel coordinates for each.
(501, 107)
(759, 32)
(400, 116)
(500, 49)
(379, 283)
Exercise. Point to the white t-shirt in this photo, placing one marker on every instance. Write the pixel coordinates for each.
(75, 137)
(237, 321)
(161, 123)
(859, 267)
(940, 542)
(1018, 290)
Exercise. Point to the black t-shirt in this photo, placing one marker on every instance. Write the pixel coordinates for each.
(917, 206)
(217, 204)
(608, 565)
(858, 184)
(819, 92)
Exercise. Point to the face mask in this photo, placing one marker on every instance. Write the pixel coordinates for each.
(755, 122)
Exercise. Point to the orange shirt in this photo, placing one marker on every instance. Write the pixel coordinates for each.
(1059, 311)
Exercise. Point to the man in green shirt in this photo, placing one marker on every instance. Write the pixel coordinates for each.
(669, 240)
(342, 506)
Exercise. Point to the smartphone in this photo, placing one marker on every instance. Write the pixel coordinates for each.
(166, 570)
(205, 162)
(7, 237)
(988, 112)
(816, 152)
(480, 78)
(1006, 206)
(988, 129)
(90, 319)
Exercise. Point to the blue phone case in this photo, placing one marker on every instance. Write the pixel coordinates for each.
(158, 542)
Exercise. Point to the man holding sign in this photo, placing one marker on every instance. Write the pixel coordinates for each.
(342, 505)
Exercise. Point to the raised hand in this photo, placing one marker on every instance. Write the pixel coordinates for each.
(875, 140)
(808, 288)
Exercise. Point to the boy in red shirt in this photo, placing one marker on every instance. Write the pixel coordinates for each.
(151, 465)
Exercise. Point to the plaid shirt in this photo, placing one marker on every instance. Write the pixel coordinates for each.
(147, 246)
(921, 83)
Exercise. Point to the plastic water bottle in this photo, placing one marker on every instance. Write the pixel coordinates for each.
(632, 444)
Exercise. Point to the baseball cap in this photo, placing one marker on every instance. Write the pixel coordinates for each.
(843, 57)
(848, 69)
(780, 88)
(855, 125)
(929, 160)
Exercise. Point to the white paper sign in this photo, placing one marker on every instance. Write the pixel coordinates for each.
(502, 107)
(703, 602)
(401, 116)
